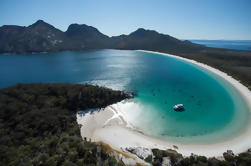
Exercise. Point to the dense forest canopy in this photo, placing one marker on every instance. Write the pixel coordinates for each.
(38, 124)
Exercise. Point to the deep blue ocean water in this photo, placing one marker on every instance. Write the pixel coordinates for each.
(229, 44)
(214, 110)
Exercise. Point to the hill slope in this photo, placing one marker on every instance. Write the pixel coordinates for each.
(38, 37)
(152, 40)
(38, 124)
(43, 37)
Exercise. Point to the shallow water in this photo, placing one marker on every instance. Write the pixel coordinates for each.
(214, 110)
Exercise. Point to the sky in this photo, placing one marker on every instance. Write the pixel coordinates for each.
(183, 19)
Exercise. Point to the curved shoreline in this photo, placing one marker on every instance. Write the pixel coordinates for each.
(117, 132)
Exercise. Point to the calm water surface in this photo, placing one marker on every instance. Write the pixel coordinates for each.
(229, 44)
(214, 110)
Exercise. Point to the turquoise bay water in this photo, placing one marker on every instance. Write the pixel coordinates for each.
(214, 110)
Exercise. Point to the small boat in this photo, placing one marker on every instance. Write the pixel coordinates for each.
(179, 108)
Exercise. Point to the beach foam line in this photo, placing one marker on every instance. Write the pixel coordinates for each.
(105, 126)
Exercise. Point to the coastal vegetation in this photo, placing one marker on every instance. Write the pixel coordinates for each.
(38, 124)
(171, 157)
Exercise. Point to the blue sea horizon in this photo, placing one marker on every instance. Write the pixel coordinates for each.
(228, 44)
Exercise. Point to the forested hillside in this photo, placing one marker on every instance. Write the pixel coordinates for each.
(38, 124)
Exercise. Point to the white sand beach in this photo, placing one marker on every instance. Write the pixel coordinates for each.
(111, 126)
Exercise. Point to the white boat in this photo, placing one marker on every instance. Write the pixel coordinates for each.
(179, 107)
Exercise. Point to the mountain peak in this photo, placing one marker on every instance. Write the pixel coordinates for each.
(83, 30)
(142, 32)
(40, 23)
(80, 27)
(42, 36)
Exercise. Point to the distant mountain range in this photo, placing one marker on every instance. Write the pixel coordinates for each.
(43, 37)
